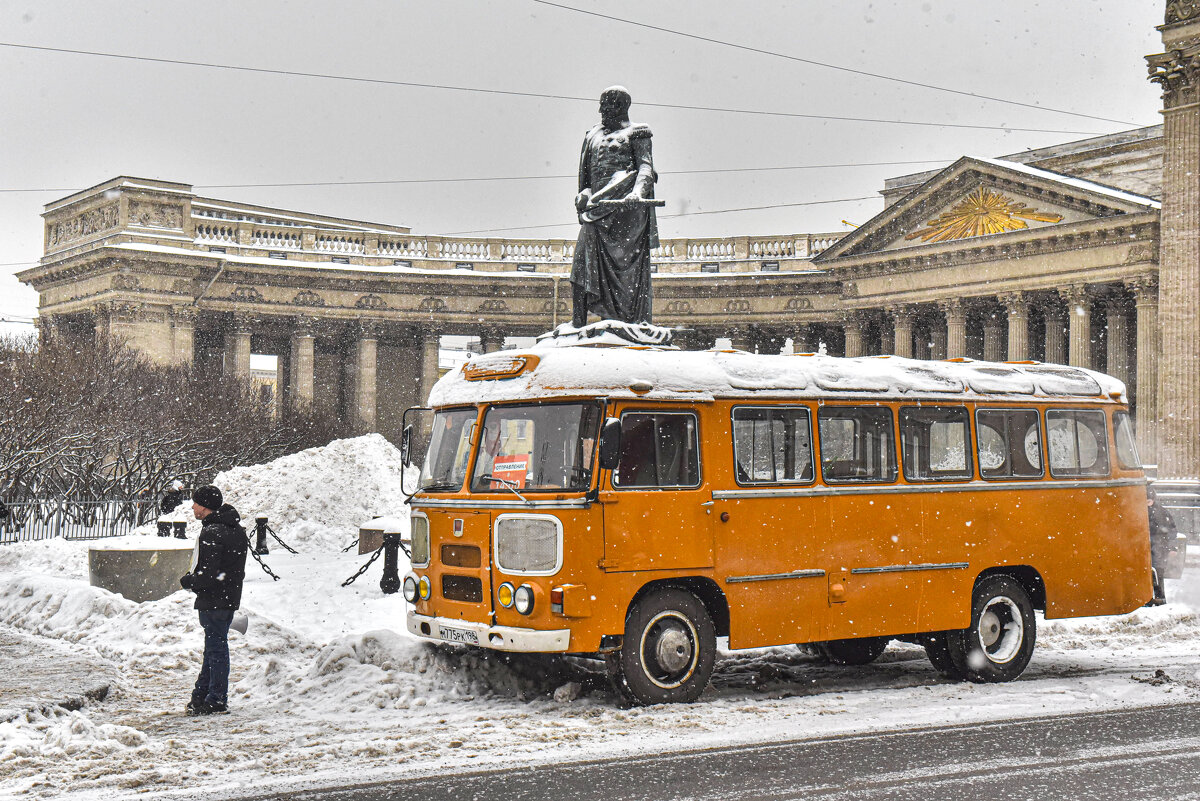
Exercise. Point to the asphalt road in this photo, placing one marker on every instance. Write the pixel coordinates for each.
(1149, 753)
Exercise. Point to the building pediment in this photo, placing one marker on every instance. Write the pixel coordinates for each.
(975, 198)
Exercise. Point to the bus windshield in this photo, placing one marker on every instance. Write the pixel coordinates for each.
(449, 449)
(542, 447)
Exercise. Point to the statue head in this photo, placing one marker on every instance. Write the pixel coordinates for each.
(614, 104)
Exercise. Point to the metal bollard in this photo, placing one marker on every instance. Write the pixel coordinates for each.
(390, 583)
(164, 529)
(260, 529)
(180, 530)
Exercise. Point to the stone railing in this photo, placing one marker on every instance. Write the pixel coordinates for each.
(317, 243)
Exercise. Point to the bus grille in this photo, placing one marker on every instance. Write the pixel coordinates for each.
(462, 588)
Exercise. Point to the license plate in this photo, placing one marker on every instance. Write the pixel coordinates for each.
(458, 635)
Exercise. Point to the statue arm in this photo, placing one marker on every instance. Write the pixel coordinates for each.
(585, 192)
(643, 186)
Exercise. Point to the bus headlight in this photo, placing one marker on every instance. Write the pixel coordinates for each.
(504, 594)
(424, 588)
(410, 588)
(523, 599)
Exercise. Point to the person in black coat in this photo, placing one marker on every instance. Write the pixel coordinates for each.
(1162, 539)
(172, 498)
(3, 511)
(218, 570)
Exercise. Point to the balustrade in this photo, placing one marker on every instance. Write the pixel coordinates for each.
(216, 233)
(339, 244)
(276, 238)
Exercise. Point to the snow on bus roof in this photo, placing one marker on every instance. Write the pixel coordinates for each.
(665, 373)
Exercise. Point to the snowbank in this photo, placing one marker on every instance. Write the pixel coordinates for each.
(316, 499)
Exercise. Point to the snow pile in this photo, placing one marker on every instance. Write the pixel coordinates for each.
(316, 499)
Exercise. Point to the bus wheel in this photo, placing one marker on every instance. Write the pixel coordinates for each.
(999, 642)
(668, 651)
(859, 651)
(939, 654)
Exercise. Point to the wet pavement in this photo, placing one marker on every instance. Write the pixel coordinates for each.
(40, 672)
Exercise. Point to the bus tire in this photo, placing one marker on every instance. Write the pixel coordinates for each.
(939, 655)
(999, 642)
(857, 651)
(668, 651)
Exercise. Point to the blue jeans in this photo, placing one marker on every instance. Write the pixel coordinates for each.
(213, 685)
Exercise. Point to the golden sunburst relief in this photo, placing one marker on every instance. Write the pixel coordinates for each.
(982, 212)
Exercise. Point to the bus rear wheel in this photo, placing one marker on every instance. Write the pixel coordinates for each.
(998, 644)
(668, 651)
(858, 651)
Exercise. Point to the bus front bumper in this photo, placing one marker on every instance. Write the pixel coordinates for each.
(499, 638)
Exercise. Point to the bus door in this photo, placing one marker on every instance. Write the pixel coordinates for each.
(770, 565)
(657, 516)
(872, 537)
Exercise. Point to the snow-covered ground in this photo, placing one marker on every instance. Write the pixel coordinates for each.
(328, 688)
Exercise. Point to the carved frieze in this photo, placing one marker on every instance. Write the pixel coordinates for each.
(678, 307)
(308, 298)
(431, 305)
(1182, 11)
(374, 302)
(548, 306)
(149, 214)
(493, 306)
(126, 282)
(246, 294)
(1141, 252)
(799, 304)
(738, 306)
(84, 225)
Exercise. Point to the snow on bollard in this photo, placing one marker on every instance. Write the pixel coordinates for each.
(390, 583)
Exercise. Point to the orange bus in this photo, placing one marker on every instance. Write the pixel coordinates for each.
(640, 502)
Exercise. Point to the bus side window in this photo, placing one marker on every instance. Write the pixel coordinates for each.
(1009, 442)
(772, 445)
(936, 443)
(1127, 455)
(658, 450)
(1078, 442)
(857, 444)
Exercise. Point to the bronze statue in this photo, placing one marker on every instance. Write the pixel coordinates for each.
(611, 272)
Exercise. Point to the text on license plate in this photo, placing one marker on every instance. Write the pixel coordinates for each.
(458, 635)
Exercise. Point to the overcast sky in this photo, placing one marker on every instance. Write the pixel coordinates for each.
(71, 121)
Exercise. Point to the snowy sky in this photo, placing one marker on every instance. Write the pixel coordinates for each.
(70, 121)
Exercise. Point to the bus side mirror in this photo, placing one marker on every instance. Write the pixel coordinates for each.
(610, 444)
(406, 446)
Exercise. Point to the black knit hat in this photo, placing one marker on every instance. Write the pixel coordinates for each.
(209, 497)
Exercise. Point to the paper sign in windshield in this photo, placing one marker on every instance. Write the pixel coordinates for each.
(512, 469)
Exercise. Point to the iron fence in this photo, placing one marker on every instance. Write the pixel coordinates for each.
(73, 520)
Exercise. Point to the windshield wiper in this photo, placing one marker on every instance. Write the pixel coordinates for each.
(508, 484)
(443, 487)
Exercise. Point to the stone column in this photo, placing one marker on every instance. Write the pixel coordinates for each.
(956, 327)
(1117, 312)
(1079, 324)
(1145, 390)
(1177, 70)
(491, 340)
(937, 341)
(803, 340)
(994, 324)
(1018, 326)
(365, 370)
(301, 363)
(1056, 338)
(902, 324)
(741, 338)
(430, 338)
(183, 333)
(887, 334)
(237, 347)
(853, 325)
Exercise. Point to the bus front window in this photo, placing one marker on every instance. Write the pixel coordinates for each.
(537, 447)
(449, 449)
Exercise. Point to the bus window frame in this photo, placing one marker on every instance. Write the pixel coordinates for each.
(969, 474)
(1104, 441)
(895, 477)
(1116, 445)
(1043, 453)
(812, 455)
(613, 474)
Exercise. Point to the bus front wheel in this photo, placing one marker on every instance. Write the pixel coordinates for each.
(999, 642)
(669, 648)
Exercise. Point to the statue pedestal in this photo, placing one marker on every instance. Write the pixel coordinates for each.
(139, 568)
